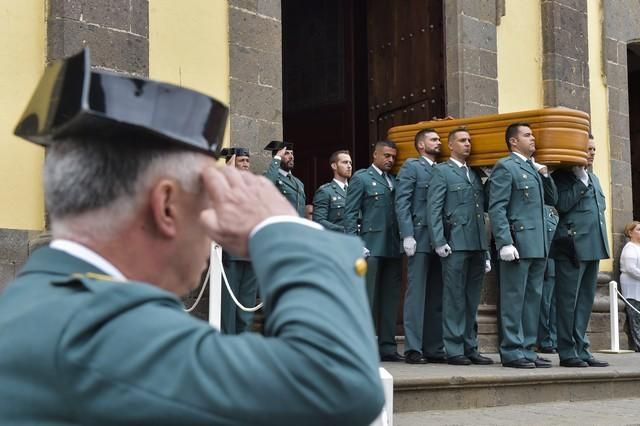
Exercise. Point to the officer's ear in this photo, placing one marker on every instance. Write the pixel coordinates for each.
(334, 166)
(163, 204)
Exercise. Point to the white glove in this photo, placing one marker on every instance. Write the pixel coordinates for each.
(509, 253)
(365, 252)
(409, 244)
(487, 266)
(486, 170)
(581, 173)
(443, 251)
(540, 168)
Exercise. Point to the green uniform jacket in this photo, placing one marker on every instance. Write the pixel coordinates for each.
(582, 217)
(517, 196)
(456, 209)
(292, 189)
(369, 195)
(328, 206)
(412, 186)
(79, 349)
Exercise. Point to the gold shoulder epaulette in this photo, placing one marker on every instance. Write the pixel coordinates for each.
(94, 276)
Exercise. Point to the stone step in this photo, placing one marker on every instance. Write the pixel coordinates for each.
(601, 412)
(445, 387)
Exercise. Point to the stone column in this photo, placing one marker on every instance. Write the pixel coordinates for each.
(619, 28)
(472, 89)
(116, 31)
(565, 70)
(255, 38)
(472, 60)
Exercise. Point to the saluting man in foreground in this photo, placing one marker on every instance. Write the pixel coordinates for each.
(92, 328)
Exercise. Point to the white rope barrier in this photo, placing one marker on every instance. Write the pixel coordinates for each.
(627, 302)
(218, 264)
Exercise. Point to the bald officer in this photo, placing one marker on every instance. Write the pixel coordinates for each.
(581, 205)
(423, 297)
(330, 198)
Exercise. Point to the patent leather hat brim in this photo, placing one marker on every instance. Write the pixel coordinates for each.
(72, 100)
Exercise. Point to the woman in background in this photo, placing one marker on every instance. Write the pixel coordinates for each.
(630, 279)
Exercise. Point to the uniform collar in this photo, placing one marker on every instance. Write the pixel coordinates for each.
(340, 184)
(456, 162)
(283, 173)
(376, 169)
(84, 253)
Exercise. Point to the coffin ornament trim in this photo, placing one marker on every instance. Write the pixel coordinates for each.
(562, 135)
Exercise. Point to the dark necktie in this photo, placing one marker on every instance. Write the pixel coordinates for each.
(465, 169)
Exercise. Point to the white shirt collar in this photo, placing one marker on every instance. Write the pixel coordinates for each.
(520, 155)
(283, 173)
(340, 184)
(376, 169)
(88, 255)
(459, 164)
(431, 162)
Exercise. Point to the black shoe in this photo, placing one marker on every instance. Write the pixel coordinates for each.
(394, 357)
(479, 359)
(414, 357)
(519, 363)
(459, 360)
(542, 363)
(596, 362)
(547, 360)
(573, 362)
(547, 350)
(436, 359)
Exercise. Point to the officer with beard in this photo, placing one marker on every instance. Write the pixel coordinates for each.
(280, 173)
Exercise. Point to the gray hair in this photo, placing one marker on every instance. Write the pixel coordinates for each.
(94, 186)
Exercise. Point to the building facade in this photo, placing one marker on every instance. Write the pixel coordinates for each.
(333, 74)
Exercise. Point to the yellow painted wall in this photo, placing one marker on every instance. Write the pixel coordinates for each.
(519, 43)
(599, 114)
(22, 53)
(189, 45)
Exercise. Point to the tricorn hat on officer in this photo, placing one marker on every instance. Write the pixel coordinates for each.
(72, 100)
(237, 151)
(275, 146)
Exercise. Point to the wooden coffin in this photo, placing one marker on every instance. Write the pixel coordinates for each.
(561, 135)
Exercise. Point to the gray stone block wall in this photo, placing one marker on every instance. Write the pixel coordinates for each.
(255, 49)
(565, 70)
(620, 26)
(471, 56)
(116, 31)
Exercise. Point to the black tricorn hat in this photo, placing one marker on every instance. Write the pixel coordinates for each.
(237, 151)
(72, 100)
(275, 146)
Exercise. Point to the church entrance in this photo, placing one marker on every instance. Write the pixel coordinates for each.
(633, 65)
(352, 69)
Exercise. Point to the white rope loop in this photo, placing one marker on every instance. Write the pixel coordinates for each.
(226, 283)
(626, 301)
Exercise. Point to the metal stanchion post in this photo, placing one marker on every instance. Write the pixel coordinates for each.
(386, 417)
(613, 311)
(215, 286)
